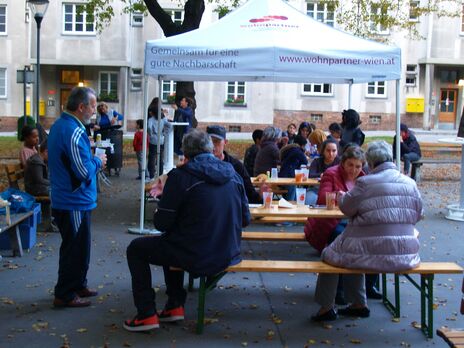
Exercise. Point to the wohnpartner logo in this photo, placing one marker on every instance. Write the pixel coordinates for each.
(268, 19)
(269, 22)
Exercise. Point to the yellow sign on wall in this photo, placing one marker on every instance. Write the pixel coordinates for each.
(414, 105)
(41, 107)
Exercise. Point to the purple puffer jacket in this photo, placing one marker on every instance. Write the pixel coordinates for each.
(383, 208)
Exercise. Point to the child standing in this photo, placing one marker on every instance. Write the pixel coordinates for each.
(138, 147)
(30, 136)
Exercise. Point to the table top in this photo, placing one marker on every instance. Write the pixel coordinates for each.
(15, 219)
(286, 181)
(296, 212)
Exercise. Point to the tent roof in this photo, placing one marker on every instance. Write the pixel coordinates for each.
(269, 40)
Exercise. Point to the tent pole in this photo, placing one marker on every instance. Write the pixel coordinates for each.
(350, 85)
(144, 164)
(160, 115)
(398, 122)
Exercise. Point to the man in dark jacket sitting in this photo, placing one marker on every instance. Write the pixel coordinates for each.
(202, 211)
(218, 135)
(409, 147)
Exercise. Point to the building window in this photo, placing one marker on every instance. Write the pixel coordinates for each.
(76, 20)
(377, 89)
(177, 16)
(316, 117)
(235, 128)
(375, 119)
(137, 19)
(136, 85)
(413, 10)
(169, 92)
(324, 89)
(411, 75)
(2, 20)
(235, 93)
(3, 82)
(108, 86)
(136, 72)
(323, 12)
(378, 14)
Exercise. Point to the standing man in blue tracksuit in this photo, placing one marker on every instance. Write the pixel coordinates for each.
(73, 175)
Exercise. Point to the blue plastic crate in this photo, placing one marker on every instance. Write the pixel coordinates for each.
(27, 231)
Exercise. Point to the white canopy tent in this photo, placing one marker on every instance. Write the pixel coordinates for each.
(269, 40)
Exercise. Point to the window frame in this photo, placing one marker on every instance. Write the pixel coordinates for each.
(5, 70)
(173, 12)
(377, 30)
(136, 23)
(376, 86)
(462, 21)
(133, 87)
(4, 33)
(172, 90)
(73, 22)
(235, 95)
(109, 73)
(324, 11)
(312, 93)
(375, 119)
(411, 74)
(413, 4)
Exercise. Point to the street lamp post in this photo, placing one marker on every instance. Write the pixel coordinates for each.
(38, 9)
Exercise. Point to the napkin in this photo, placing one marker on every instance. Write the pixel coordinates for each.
(283, 203)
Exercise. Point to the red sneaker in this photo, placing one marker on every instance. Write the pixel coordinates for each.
(171, 315)
(136, 324)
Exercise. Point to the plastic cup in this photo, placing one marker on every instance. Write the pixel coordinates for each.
(330, 200)
(99, 151)
(274, 173)
(305, 172)
(298, 175)
(300, 195)
(267, 199)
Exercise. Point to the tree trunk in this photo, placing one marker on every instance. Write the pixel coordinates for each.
(193, 12)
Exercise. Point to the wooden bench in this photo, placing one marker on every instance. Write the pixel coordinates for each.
(276, 220)
(454, 337)
(416, 165)
(426, 270)
(273, 236)
(15, 173)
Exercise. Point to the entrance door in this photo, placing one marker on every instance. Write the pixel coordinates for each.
(448, 98)
(64, 94)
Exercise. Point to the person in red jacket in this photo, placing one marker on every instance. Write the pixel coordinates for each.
(137, 143)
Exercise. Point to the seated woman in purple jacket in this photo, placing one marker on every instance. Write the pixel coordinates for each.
(383, 208)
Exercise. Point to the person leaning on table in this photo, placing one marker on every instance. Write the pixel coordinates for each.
(202, 211)
(383, 208)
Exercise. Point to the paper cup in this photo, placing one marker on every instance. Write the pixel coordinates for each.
(274, 173)
(99, 152)
(267, 199)
(330, 200)
(300, 195)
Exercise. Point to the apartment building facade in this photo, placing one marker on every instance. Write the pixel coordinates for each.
(74, 53)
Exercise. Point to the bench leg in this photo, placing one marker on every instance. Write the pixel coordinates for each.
(15, 241)
(427, 304)
(190, 284)
(392, 308)
(201, 306)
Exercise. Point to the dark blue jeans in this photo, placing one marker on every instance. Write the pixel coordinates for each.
(141, 253)
(74, 259)
(408, 158)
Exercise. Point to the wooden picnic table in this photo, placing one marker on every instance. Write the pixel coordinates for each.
(13, 230)
(299, 211)
(286, 181)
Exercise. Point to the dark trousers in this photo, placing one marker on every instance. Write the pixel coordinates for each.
(74, 260)
(152, 160)
(141, 253)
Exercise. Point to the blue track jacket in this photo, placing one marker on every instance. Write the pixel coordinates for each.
(73, 168)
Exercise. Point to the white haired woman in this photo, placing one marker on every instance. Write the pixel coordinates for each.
(383, 208)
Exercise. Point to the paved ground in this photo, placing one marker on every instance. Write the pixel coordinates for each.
(247, 310)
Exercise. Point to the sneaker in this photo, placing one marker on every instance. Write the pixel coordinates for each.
(171, 315)
(136, 324)
(330, 315)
